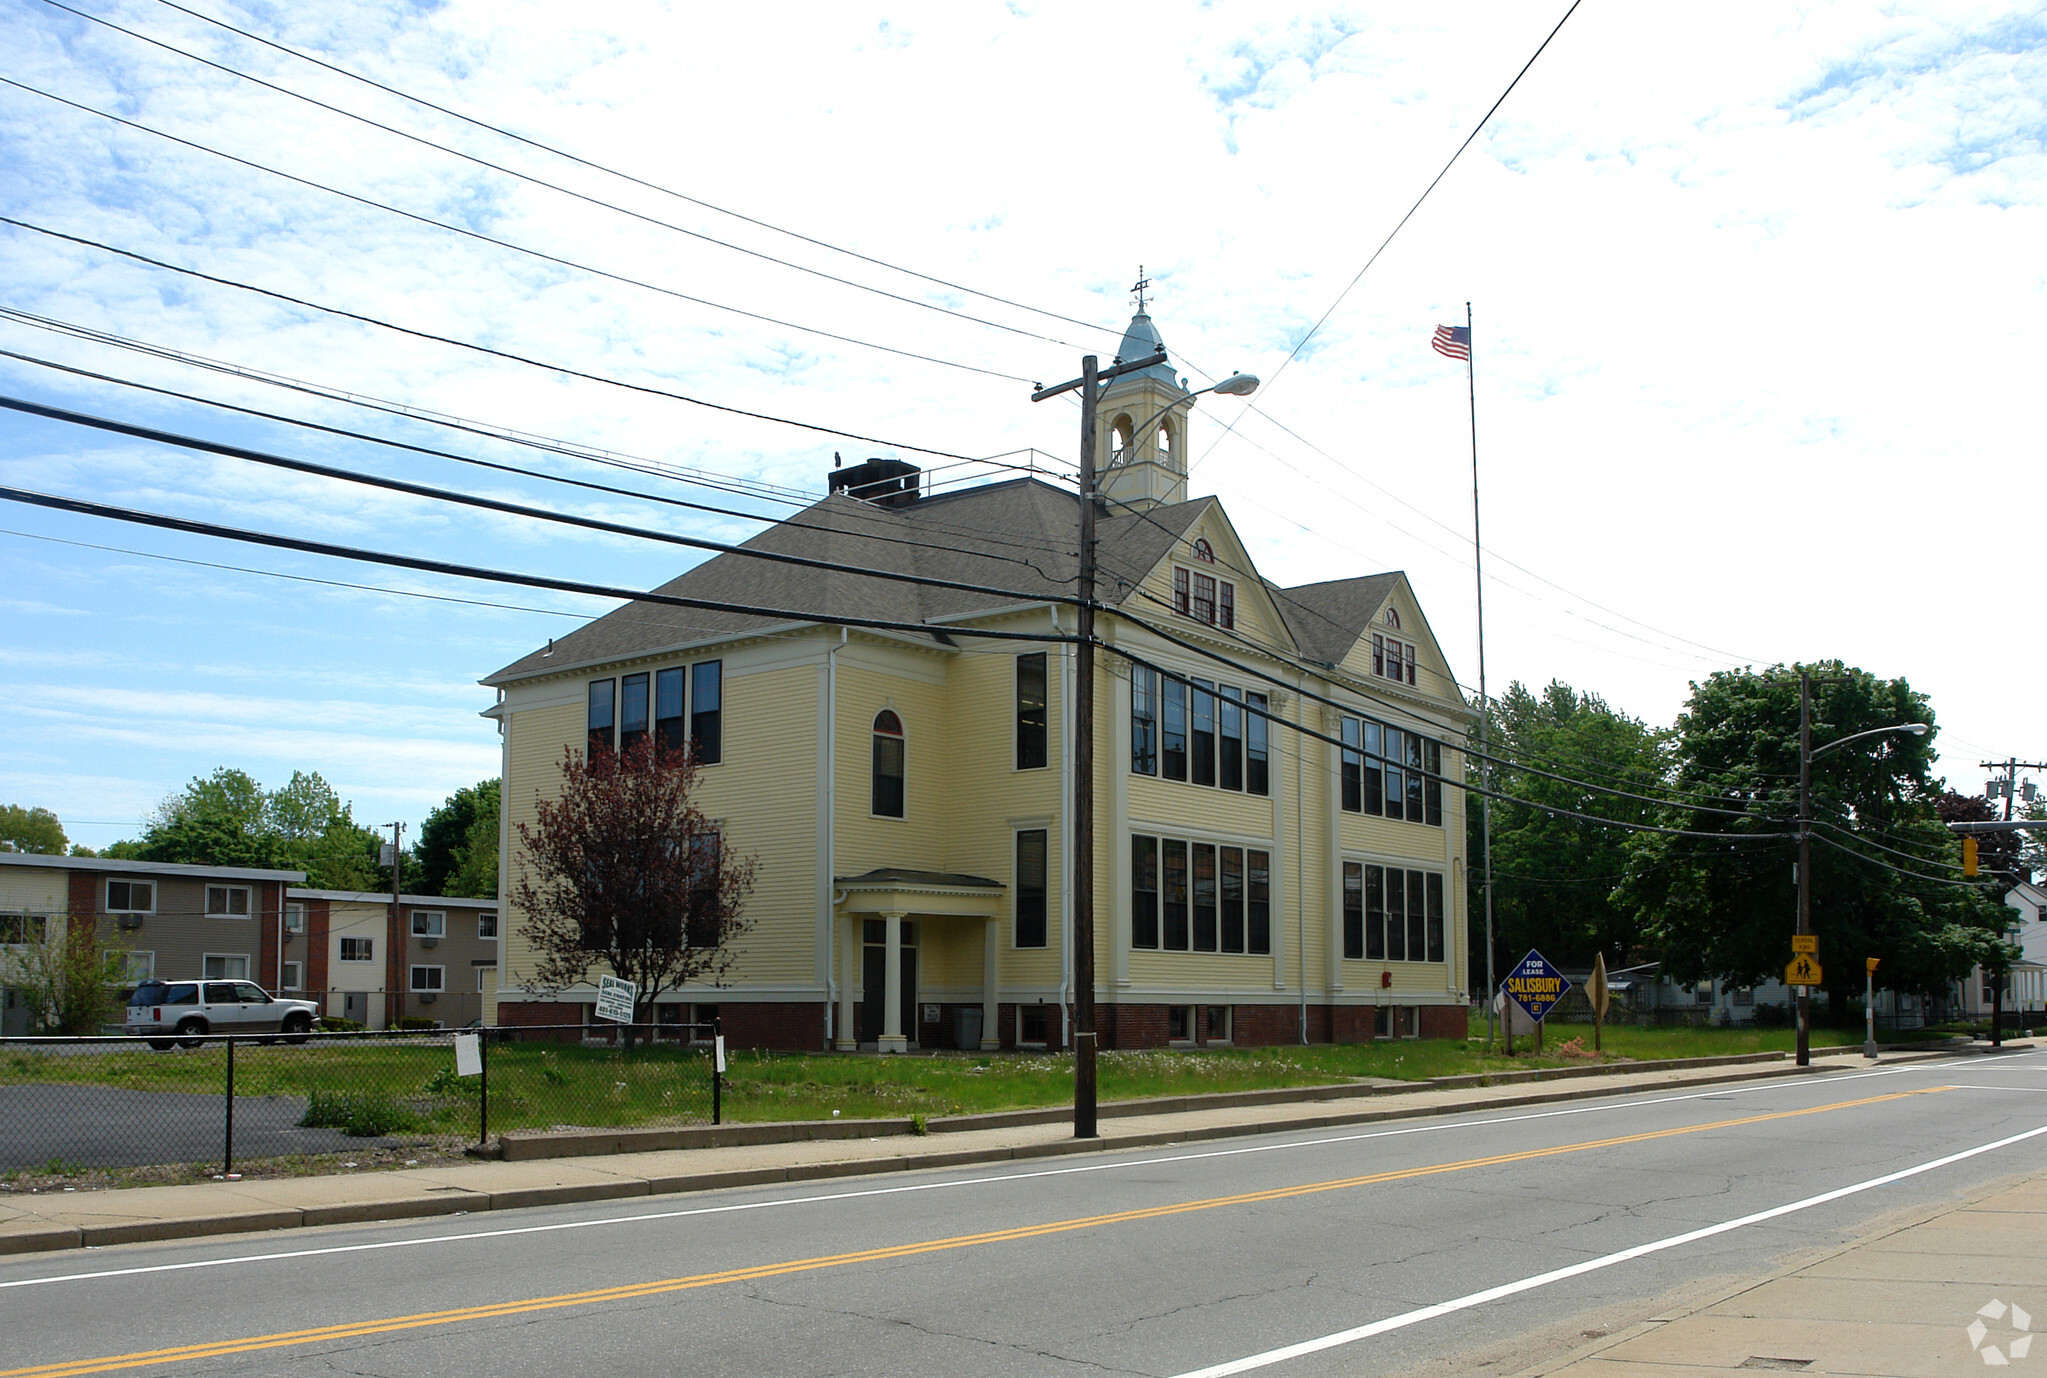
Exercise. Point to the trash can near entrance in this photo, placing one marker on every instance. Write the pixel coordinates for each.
(966, 1028)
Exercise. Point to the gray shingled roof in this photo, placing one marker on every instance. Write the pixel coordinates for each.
(1328, 618)
(976, 535)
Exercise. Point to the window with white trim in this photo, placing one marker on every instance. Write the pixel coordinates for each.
(487, 926)
(225, 966)
(429, 923)
(1393, 658)
(1032, 880)
(888, 765)
(428, 980)
(1199, 731)
(294, 976)
(295, 916)
(682, 706)
(227, 901)
(131, 897)
(1392, 914)
(1190, 896)
(358, 950)
(137, 967)
(1391, 772)
(1204, 598)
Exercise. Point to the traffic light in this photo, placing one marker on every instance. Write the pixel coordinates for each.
(1968, 856)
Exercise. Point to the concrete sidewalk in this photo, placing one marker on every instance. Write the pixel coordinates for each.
(88, 1219)
(1954, 1291)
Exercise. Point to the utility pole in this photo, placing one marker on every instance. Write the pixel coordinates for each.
(1082, 832)
(394, 936)
(2009, 787)
(1804, 855)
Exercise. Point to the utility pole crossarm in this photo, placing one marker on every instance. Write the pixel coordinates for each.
(1107, 375)
(2014, 825)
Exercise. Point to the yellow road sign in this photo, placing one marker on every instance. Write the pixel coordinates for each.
(1808, 943)
(1803, 971)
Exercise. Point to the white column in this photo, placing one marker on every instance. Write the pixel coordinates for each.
(991, 949)
(847, 1037)
(892, 1039)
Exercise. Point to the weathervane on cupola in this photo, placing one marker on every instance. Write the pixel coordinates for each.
(1143, 284)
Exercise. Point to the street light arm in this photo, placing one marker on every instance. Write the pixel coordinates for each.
(1913, 729)
(1236, 385)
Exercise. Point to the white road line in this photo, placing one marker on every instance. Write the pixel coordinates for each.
(1491, 1294)
(993, 1179)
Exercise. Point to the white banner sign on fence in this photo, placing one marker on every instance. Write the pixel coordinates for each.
(615, 999)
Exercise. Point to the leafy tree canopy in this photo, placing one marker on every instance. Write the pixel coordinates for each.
(621, 870)
(457, 852)
(31, 830)
(1552, 874)
(1885, 878)
(228, 819)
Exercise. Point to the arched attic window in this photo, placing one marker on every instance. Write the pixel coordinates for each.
(888, 765)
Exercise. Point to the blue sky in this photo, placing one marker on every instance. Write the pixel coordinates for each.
(1758, 295)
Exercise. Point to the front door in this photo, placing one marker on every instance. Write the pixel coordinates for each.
(874, 981)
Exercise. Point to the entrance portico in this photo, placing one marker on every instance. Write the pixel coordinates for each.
(936, 903)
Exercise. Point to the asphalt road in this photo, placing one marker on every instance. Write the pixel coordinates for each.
(1440, 1244)
(114, 1126)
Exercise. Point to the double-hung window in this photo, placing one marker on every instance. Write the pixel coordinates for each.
(1032, 722)
(1204, 598)
(227, 901)
(358, 950)
(1199, 731)
(429, 980)
(1032, 879)
(1391, 914)
(888, 765)
(681, 707)
(1393, 658)
(1391, 771)
(1190, 896)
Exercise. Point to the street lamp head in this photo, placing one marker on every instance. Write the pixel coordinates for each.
(1237, 385)
(1916, 729)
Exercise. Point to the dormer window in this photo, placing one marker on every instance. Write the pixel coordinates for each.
(1393, 659)
(1204, 598)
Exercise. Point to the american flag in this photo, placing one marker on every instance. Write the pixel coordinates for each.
(1453, 341)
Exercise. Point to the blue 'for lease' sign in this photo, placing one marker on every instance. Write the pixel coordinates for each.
(1535, 985)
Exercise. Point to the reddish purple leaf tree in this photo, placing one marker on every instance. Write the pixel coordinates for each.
(622, 870)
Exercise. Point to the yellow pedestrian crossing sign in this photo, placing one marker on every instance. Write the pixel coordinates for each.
(1803, 971)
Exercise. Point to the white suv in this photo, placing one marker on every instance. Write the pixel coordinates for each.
(191, 1009)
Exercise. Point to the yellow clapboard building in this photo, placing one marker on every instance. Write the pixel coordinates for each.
(906, 794)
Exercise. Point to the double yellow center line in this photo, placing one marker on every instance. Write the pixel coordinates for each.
(350, 1330)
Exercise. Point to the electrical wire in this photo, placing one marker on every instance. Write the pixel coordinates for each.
(466, 344)
(547, 185)
(421, 490)
(1322, 320)
(134, 516)
(494, 241)
(628, 177)
(611, 489)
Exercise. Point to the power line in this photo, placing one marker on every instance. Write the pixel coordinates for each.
(507, 244)
(468, 345)
(1294, 353)
(422, 490)
(629, 177)
(612, 489)
(542, 182)
(196, 528)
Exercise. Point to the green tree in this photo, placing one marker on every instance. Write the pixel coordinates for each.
(1552, 874)
(228, 819)
(1884, 881)
(68, 978)
(458, 844)
(31, 830)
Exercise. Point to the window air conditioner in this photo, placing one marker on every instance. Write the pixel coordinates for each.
(429, 942)
(427, 997)
(128, 920)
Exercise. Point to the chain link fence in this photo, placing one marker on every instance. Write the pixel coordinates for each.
(69, 1104)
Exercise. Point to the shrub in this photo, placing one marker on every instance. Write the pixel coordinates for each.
(413, 1021)
(334, 1023)
(358, 1114)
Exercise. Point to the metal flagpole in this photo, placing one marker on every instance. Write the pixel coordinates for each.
(1485, 809)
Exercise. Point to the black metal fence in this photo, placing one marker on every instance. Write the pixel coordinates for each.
(73, 1104)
